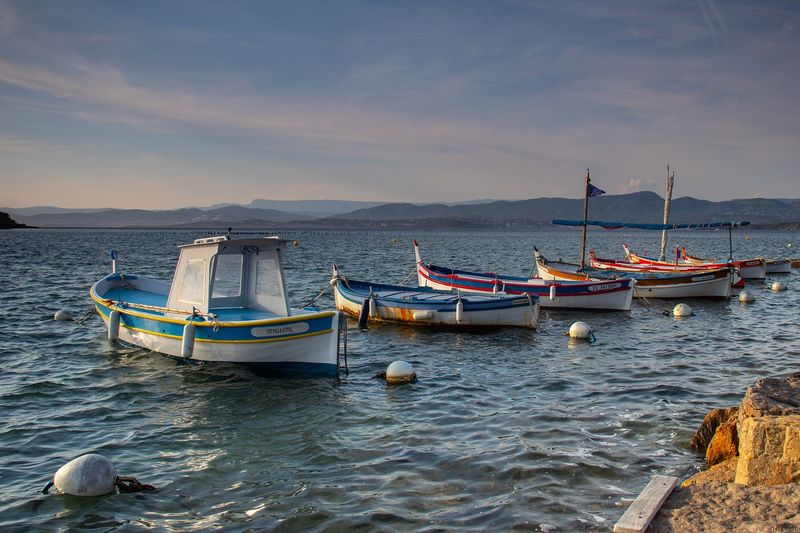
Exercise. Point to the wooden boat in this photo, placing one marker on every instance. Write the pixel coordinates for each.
(426, 306)
(779, 266)
(748, 268)
(587, 294)
(226, 302)
(715, 284)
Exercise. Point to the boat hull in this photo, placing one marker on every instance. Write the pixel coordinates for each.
(779, 266)
(404, 307)
(306, 343)
(748, 268)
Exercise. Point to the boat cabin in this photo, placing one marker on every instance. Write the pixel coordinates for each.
(221, 273)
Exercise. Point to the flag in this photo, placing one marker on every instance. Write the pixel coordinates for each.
(591, 190)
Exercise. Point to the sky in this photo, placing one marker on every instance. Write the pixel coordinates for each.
(158, 105)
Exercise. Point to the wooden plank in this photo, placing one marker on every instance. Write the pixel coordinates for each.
(646, 505)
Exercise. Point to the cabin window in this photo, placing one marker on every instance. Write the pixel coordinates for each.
(227, 276)
(192, 289)
(268, 282)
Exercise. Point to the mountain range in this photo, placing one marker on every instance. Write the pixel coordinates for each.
(646, 207)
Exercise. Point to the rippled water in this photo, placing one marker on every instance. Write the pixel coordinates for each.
(504, 430)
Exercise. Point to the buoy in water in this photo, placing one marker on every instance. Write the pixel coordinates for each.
(88, 475)
(400, 372)
(580, 330)
(682, 310)
(63, 315)
(747, 297)
(778, 286)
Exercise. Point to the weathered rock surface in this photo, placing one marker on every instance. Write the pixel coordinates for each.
(725, 443)
(769, 451)
(714, 418)
(772, 396)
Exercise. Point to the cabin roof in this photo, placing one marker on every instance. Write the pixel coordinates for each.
(223, 240)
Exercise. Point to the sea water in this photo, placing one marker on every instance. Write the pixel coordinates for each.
(505, 430)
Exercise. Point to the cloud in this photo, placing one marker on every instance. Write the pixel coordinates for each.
(8, 19)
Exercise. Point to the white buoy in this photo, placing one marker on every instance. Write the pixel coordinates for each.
(580, 330)
(187, 341)
(778, 286)
(552, 292)
(113, 325)
(747, 297)
(682, 310)
(63, 315)
(88, 475)
(400, 372)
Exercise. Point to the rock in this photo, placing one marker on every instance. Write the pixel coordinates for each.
(771, 396)
(723, 472)
(724, 444)
(711, 422)
(769, 450)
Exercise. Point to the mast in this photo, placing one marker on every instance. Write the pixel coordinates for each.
(585, 217)
(667, 200)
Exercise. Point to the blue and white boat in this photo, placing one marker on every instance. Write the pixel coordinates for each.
(227, 302)
(425, 306)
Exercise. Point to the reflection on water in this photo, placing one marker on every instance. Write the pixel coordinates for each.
(505, 429)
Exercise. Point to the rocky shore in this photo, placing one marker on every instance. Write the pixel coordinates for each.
(753, 453)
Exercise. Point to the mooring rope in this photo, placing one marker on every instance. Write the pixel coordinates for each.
(317, 297)
(405, 279)
(87, 315)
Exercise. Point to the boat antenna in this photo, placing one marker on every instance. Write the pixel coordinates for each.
(585, 217)
(667, 200)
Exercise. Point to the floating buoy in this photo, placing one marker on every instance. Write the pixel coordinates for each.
(88, 475)
(682, 310)
(400, 372)
(63, 315)
(778, 286)
(580, 330)
(747, 297)
(113, 325)
(553, 292)
(295, 243)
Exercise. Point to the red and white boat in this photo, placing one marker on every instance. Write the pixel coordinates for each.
(755, 268)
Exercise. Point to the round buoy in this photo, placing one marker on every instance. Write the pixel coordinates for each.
(63, 315)
(400, 372)
(580, 330)
(747, 297)
(682, 310)
(778, 286)
(88, 475)
(296, 243)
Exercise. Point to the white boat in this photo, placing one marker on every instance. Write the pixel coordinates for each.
(613, 295)
(779, 266)
(226, 302)
(424, 306)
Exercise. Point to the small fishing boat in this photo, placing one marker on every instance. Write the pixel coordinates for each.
(226, 302)
(714, 284)
(754, 268)
(613, 295)
(425, 306)
(779, 266)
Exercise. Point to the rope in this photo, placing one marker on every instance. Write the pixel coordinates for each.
(318, 296)
(405, 279)
(87, 315)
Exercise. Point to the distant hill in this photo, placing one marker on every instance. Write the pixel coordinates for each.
(6, 222)
(646, 207)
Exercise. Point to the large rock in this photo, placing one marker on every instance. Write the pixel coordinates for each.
(705, 433)
(769, 450)
(724, 444)
(772, 396)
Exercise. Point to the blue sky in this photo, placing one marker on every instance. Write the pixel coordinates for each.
(153, 104)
